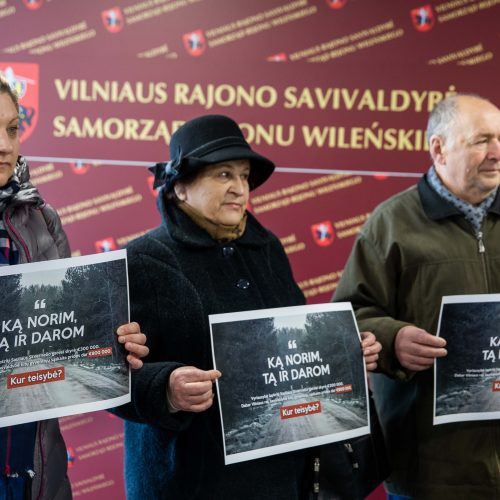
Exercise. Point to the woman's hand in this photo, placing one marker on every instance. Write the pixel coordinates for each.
(191, 389)
(134, 341)
(371, 347)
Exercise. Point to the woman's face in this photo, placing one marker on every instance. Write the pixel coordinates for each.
(9, 138)
(219, 192)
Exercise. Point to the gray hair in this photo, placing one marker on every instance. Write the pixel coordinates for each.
(445, 114)
(5, 88)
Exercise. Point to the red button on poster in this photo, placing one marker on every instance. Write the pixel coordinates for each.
(300, 410)
(35, 377)
(343, 388)
(101, 351)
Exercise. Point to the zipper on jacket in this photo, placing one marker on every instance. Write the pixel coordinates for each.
(480, 242)
(7, 451)
(316, 478)
(482, 251)
(16, 236)
(42, 429)
(350, 454)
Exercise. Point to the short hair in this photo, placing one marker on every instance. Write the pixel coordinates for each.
(444, 114)
(5, 88)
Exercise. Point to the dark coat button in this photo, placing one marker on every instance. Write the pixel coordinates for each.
(243, 284)
(227, 251)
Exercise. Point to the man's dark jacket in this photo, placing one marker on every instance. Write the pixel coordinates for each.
(414, 249)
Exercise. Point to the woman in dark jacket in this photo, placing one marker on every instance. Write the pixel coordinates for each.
(33, 457)
(208, 256)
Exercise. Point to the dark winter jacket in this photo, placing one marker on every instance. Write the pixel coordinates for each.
(414, 249)
(178, 276)
(39, 236)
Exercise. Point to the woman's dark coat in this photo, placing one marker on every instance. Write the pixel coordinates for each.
(178, 276)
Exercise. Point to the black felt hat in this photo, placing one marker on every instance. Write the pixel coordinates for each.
(206, 140)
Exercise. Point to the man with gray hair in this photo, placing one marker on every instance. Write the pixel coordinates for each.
(440, 237)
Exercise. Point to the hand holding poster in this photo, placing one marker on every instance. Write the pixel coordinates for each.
(292, 378)
(467, 379)
(59, 353)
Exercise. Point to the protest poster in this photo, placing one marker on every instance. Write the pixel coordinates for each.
(467, 379)
(292, 378)
(59, 353)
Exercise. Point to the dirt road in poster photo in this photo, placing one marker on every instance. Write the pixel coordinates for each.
(69, 385)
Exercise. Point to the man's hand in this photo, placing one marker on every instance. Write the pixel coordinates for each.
(371, 347)
(134, 341)
(416, 349)
(190, 389)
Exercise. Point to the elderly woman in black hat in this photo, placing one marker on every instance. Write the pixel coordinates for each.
(208, 256)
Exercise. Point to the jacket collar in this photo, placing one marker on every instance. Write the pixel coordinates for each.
(181, 228)
(437, 208)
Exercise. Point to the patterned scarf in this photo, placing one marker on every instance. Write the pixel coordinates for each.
(19, 189)
(9, 254)
(17, 449)
(475, 214)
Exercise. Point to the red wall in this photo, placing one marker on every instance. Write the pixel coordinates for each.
(336, 92)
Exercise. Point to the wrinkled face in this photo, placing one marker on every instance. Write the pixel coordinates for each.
(219, 192)
(468, 160)
(9, 138)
